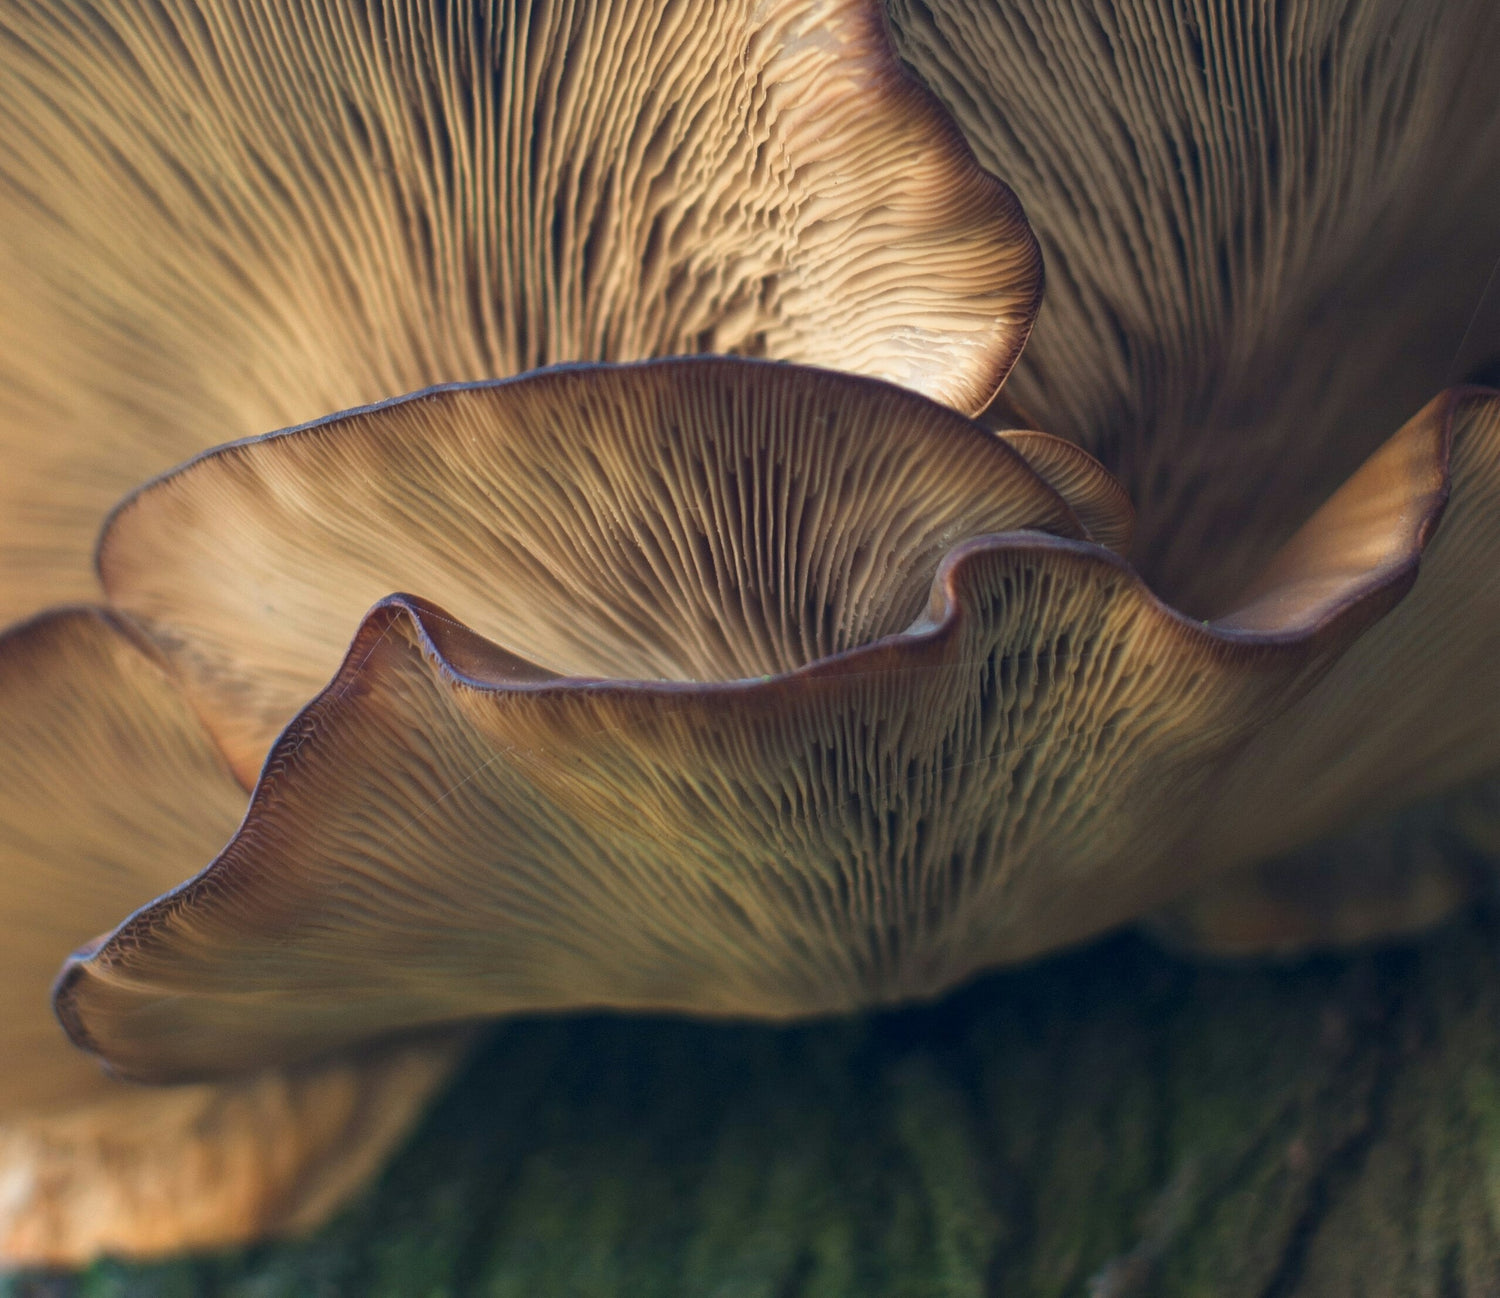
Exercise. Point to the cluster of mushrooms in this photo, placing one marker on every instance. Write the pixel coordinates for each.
(675, 619)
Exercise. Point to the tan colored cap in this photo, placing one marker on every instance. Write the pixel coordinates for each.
(110, 793)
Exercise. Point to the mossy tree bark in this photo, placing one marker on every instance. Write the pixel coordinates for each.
(1112, 1123)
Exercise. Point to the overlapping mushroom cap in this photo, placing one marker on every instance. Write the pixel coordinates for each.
(1267, 227)
(221, 217)
(1270, 230)
(218, 217)
(717, 687)
(670, 719)
(110, 791)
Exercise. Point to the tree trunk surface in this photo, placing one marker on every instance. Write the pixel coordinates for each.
(1111, 1123)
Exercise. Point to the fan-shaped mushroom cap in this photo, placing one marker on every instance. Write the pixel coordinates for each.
(701, 519)
(451, 831)
(110, 793)
(219, 217)
(1266, 227)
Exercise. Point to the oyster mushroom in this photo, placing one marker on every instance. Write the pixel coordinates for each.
(220, 217)
(1268, 229)
(673, 720)
(109, 792)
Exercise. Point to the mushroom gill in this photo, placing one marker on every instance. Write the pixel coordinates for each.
(110, 792)
(219, 217)
(457, 827)
(691, 520)
(1266, 225)
(1270, 232)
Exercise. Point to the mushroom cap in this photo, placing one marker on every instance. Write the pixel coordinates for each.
(151, 1171)
(694, 519)
(219, 217)
(454, 829)
(1269, 235)
(1266, 227)
(110, 792)
(109, 789)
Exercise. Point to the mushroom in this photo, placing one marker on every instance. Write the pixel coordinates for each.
(220, 217)
(1268, 231)
(671, 729)
(109, 792)
(671, 720)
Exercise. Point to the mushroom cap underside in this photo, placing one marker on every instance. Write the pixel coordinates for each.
(1029, 762)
